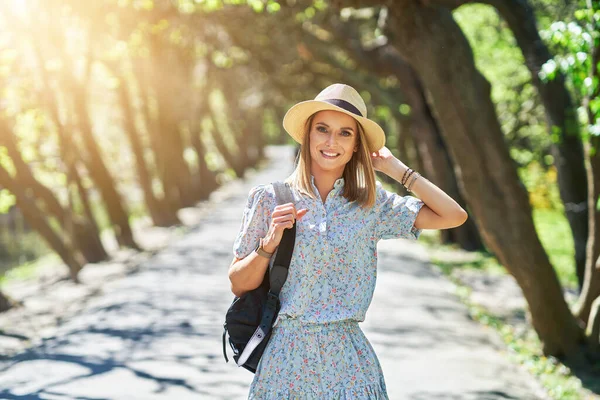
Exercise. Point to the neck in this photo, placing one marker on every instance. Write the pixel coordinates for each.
(325, 181)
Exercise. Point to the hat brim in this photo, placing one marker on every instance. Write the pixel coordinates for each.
(295, 119)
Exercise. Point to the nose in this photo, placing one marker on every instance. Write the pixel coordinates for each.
(331, 140)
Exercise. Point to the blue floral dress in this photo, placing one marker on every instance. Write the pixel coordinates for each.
(317, 350)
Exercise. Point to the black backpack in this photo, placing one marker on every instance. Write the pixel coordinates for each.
(250, 318)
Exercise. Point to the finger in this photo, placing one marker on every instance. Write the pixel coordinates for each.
(286, 224)
(284, 219)
(291, 209)
(301, 213)
(285, 209)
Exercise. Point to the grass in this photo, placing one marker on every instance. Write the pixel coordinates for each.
(555, 234)
(29, 270)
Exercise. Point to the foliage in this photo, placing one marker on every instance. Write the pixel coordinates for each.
(550, 221)
(555, 234)
(7, 200)
(542, 186)
(500, 60)
(573, 43)
(22, 249)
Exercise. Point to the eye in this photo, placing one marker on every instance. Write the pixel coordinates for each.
(348, 133)
(321, 127)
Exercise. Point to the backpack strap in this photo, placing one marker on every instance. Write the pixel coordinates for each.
(277, 276)
(279, 271)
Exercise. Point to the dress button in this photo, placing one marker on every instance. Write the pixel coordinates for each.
(323, 226)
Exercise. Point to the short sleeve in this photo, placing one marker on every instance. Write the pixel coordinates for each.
(396, 215)
(255, 221)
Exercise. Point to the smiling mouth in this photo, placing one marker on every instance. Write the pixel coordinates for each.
(329, 155)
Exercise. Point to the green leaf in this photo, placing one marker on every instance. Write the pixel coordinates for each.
(7, 200)
(257, 5)
(595, 105)
(404, 109)
(273, 7)
(548, 71)
(581, 14)
(320, 4)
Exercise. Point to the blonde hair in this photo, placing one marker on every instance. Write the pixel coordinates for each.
(359, 175)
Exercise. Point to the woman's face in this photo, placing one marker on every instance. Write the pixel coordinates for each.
(332, 132)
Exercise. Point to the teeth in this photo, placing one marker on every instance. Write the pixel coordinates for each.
(329, 154)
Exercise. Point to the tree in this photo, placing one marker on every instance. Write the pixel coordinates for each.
(429, 38)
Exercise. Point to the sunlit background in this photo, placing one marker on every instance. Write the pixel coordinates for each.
(123, 112)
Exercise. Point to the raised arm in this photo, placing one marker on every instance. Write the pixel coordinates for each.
(440, 210)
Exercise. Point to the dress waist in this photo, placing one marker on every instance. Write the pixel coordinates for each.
(313, 326)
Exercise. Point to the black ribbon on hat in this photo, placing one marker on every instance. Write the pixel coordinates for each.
(345, 105)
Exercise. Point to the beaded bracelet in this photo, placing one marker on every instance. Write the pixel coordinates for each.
(403, 176)
(408, 176)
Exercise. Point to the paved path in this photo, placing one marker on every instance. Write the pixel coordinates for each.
(156, 333)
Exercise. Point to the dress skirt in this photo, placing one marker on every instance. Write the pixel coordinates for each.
(330, 361)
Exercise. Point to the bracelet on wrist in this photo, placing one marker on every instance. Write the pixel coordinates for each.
(261, 250)
(416, 176)
(412, 171)
(407, 174)
(404, 176)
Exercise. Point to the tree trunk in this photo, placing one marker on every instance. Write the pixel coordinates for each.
(5, 303)
(279, 113)
(82, 237)
(593, 326)
(173, 169)
(37, 220)
(227, 155)
(561, 115)
(255, 133)
(591, 286)
(97, 168)
(161, 214)
(153, 129)
(236, 120)
(383, 61)
(85, 230)
(85, 233)
(207, 179)
(436, 47)
(433, 152)
(591, 283)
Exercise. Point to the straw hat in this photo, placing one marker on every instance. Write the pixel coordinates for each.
(337, 97)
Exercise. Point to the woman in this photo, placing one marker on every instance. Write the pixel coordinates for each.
(317, 350)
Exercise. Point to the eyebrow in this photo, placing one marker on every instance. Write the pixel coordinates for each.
(346, 127)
